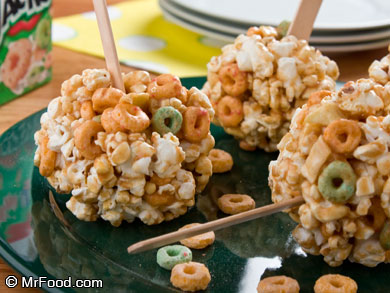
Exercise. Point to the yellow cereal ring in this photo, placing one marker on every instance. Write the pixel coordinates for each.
(196, 124)
(342, 135)
(108, 122)
(191, 276)
(86, 110)
(104, 98)
(84, 139)
(234, 82)
(230, 111)
(165, 86)
(199, 241)
(48, 158)
(334, 283)
(235, 203)
(278, 284)
(222, 161)
(131, 117)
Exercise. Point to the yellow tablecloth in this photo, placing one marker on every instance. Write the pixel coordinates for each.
(143, 38)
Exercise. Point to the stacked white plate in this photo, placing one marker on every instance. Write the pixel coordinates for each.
(341, 25)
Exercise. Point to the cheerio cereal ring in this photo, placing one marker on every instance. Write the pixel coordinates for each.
(233, 80)
(48, 158)
(278, 284)
(104, 98)
(108, 123)
(43, 33)
(131, 117)
(384, 236)
(342, 135)
(84, 139)
(169, 256)
(334, 283)
(167, 119)
(192, 276)
(199, 241)
(222, 161)
(235, 203)
(196, 124)
(230, 111)
(337, 182)
(86, 110)
(165, 86)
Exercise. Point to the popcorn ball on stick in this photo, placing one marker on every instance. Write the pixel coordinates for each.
(125, 150)
(257, 82)
(336, 156)
(141, 153)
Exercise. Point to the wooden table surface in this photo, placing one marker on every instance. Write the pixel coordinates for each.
(66, 63)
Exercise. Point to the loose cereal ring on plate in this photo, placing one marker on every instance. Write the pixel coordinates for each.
(336, 155)
(141, 154)
(257, 82)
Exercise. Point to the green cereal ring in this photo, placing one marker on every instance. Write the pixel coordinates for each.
(43, 33)
(337, 182)
(169, 256)
(167, 119)
(384, 236)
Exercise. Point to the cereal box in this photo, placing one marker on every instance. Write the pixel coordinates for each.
(25, 46)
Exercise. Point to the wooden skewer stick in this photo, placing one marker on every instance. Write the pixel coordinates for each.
(214, 225)
(302, 25)
(108, 42)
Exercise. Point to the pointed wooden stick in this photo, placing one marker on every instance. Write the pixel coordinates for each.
(214, 225)
(108, 42)
(302, 25)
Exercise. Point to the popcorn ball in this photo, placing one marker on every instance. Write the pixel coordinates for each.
(336, 155)
(142, 153)
(256, 84)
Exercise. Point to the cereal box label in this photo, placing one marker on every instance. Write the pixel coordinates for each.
(25, 46)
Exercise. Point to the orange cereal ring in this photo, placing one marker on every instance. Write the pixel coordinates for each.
(222, 161)
(278, 284)
(191, 276)
(48, 158)
(165, 86)
(246, 146)
(335, 283)
(84, 139)
(108, 123)
(234, 82)
(235, 203)
(131, 117)
(230, 111)
(196, 124)
(157, 199)
(342, 135)
(86, 110)
(199, 241)
(16, 62)
(316, 97)
(104, 98)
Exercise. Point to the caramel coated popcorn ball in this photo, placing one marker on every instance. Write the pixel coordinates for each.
(256, 84)
(336, 155)
(141, 154)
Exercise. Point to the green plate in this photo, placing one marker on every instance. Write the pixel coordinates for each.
(36, 243)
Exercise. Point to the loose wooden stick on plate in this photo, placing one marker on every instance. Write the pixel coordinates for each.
(108, 42)
(214, 225)
(302, 25)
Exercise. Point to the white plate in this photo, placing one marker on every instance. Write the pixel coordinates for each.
(223, 38)
(333, 14)
(235, 29)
